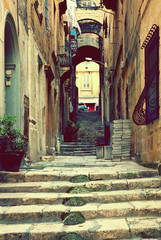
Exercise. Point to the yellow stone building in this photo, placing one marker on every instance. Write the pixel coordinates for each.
(87, 81)
(134, 66)
(32, 35)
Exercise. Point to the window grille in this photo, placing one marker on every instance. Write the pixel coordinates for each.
(152, 77)
(147, 107)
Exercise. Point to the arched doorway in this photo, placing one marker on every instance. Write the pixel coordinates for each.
(12, 70)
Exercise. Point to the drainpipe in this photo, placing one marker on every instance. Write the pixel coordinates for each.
(17, 18)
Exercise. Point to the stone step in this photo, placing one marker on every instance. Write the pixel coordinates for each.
(65, 174)
(76, 143)
(63, 186)
(8, 199)
(69, 161)
(44, 213)
(78, 153)
(78, 149)
(123, 200)
(84, 146)
(99, 229)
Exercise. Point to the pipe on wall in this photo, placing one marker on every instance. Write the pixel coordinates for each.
(17, 19)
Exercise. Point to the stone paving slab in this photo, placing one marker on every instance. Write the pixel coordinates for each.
(146, 227)
(65, 175)
(102, 197)
(63, 186)
(99, 229)
(90, 211)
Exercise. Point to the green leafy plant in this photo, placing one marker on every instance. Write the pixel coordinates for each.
(70, 236)
(12, 140)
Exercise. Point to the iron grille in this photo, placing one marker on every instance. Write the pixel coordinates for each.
(147, 108)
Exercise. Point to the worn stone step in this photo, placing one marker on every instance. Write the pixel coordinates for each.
(99, 229)
(75, 144)
(78, 153)
(42, 213)
(7, 199)
(63, 186)
(77, 147)
(70, 161)
(65, 174)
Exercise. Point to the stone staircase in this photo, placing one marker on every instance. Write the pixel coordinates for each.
(120, 200)
(77, 149)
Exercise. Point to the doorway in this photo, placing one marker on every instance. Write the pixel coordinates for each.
(12, 71)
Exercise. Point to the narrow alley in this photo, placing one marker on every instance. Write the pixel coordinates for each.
(80, 120)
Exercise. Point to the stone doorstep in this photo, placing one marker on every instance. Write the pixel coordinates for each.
(78, 153)
(63, 186)
(66, 147)
(39, 213)
(65, 174)
(96, 229)
(101, 197)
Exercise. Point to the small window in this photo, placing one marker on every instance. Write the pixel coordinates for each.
(86, 81)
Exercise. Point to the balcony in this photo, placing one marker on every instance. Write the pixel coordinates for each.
(109, 4)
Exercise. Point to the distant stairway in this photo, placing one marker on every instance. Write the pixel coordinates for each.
(77, 149)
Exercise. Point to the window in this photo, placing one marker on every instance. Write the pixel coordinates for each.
(152, 77)
(86, 81)
(47, 14)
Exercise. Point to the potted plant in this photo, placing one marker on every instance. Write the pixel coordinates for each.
(13, 144)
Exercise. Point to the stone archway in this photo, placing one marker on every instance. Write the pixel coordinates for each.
(12, 70)
(88, 25)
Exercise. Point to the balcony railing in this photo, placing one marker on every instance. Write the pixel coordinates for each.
(139, 114)
(147, 107)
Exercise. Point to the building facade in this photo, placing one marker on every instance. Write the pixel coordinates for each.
(87, 81)
(32, 35)
(134, 73)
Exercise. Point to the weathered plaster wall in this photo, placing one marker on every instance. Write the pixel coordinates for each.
(138, 18)
(36, 44)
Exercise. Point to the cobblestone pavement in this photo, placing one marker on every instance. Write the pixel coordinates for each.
(90, 127)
